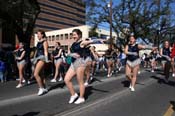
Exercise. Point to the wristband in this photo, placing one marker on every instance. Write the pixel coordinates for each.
(95, 40)
(148, 47)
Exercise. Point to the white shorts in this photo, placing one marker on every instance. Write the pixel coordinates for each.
(79, 62)
(133, 63)
(58, 60)
(22, 62)
(88, 59)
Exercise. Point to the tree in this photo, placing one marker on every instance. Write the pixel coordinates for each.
(142, 17)
(21, 14)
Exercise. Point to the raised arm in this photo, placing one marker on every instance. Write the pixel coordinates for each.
(146, 47)
(87, 42)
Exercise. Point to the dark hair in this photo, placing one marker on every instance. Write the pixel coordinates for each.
(58, 43)
(43, 33)
(78, 31)
(87, 39)
(24, 44)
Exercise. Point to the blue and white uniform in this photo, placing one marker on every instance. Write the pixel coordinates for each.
(40, 52)
(166, 52)
(77, 62)
(87, 55)
(133, 60)
(18, 54)
(94, 58)
(57, 58)
(109, 56)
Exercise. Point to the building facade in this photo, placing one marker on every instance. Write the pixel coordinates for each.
(54, 15)
(60, 14)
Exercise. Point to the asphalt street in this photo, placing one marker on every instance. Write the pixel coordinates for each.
(104, 97)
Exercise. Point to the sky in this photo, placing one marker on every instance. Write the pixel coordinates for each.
(115, 2)
(105, 26)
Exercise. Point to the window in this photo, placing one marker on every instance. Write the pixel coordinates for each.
(50, 38)
(61, 36)
(66, 36)
(70, 35)
(57, 37)
(65, 47)
(53, 38)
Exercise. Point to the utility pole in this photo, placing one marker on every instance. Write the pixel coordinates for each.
(159, 28)
(110, 21)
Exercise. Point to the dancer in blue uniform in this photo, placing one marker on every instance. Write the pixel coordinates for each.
(94, 56)
(133, 60)
(20, 58)
(77, 67)
(88, 61)
(41, 57)
(153, 60)
(57, 61)
(110, 60)
(165, 52)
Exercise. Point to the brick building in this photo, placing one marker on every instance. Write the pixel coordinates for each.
(60, 14)
(54, 15)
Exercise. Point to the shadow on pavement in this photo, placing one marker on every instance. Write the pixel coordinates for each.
(90, 89)
(126, 83)
(162, 81)
(139, 83)
(161, 73)
(147, 70)
(29, 114)
(95, 80)
(55, 86)
(159, 70)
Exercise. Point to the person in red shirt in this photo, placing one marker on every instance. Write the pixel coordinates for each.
(172, 59)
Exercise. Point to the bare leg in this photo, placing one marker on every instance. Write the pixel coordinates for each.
(87, 70)
(68, 77)
(128, 72)
(109, 64)
(37, 71)
(21, 75)
(80, 75)
(93, 67)
(135, 72)
(57, 67)
(172, 66)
